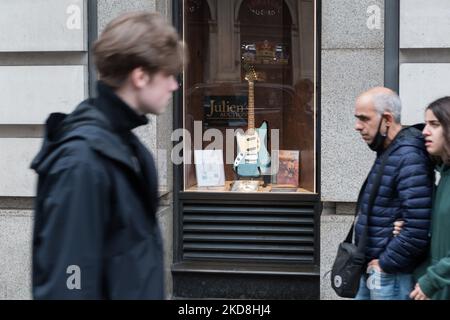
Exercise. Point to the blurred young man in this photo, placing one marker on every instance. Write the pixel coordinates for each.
(96, 235)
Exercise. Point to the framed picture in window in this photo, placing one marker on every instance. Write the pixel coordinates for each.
(209, 168)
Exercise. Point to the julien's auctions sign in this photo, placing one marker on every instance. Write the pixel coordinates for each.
(225, 110)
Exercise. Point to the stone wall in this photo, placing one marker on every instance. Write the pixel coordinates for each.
(44, 69)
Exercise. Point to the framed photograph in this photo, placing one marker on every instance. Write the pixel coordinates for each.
(209, 168)
(288, 165)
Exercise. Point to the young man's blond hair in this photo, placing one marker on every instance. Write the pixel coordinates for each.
(137, 39)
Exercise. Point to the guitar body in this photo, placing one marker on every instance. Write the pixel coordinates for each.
(252, 156)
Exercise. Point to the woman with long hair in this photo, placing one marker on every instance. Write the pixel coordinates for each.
(433, 277)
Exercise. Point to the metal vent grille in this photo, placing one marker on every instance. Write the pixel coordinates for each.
(250, 233)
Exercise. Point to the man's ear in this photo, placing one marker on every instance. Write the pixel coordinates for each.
(139, 78)
(389, 117)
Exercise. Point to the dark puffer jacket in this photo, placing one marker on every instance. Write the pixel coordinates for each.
(405, 192)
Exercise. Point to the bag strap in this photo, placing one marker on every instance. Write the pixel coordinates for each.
(358, 205)
(373, 193)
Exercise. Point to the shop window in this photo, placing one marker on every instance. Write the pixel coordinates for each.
(249, 108)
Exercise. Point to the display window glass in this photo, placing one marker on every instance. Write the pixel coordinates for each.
(249, 96)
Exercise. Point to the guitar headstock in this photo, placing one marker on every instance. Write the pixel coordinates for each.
(250, 73)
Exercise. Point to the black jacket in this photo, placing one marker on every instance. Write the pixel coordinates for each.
(405, 193)
(96, 206)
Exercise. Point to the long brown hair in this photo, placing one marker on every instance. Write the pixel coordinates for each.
(441, 110)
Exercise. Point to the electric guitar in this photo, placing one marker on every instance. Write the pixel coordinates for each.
(252, 158)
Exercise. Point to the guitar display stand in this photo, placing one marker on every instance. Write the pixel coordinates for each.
(266, 179)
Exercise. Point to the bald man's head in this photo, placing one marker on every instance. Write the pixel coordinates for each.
(371, 107)
(378, 90)
(382, 100)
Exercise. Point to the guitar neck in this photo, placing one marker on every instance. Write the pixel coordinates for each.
(251, 105)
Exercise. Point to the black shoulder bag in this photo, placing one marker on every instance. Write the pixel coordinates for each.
(350, 260)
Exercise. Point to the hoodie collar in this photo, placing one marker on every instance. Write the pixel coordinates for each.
(120, 115)
(411, 136)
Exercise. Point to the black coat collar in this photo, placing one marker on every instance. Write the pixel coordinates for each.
(119, 114)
